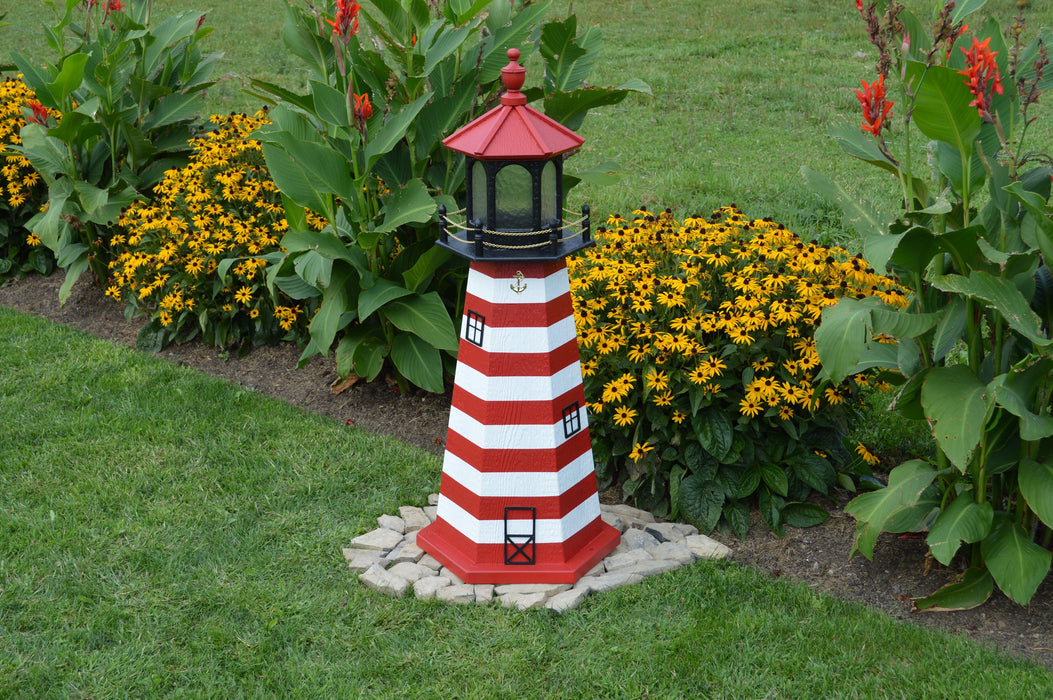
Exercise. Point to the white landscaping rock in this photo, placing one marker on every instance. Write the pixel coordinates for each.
(706, 548)
(598, 584)
(638, 539)
(377, 578)
(382, 539)
(414, 517)
(430, 562)
(665, 532)
(411, 572)
(625, 559)
(674, 551)
(408, 552)
(392, 522)
(549, 589)
(652, 567)
(484, 592)
(567, 600)
(426, 588)
(628, 513)
(457, 593)
(364, 560)
(523, 601)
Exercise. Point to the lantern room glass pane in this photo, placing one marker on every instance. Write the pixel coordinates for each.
(548, 194)
(478, 193)
(515, 197)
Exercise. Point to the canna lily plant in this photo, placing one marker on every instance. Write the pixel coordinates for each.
(973, 355)
(362, 149)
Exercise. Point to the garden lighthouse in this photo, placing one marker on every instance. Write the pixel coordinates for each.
(518, 500)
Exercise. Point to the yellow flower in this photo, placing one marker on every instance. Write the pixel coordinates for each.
(243, 295)
(678, 417)
(623, 416)
(868, 456)
(639, 451)
(656, 380)
(749, 407)
(33, 240)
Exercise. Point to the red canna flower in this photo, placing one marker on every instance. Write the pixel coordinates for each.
(981, 75)
(40, 112)
(363, 110)
(876, 109)
(345, 23)
(114, 6)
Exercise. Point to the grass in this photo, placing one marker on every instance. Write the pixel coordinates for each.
(167, 533)
(743, 95)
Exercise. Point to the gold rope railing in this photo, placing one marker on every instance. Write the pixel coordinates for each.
(449, 223)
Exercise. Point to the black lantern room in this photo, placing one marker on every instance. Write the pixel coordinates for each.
(514, 171)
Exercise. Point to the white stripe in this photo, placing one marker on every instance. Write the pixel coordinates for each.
(522, 340)
(499, 290)
(548, 531)
(504, 437)
(517, 484)
(517, 388)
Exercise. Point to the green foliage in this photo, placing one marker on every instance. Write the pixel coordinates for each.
(700, 366)
(363, 148)
(196, 257)
(21, 189)
(127, 92)
(224, 513)
(976, 263)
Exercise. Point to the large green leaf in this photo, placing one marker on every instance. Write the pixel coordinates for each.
(69, 78)
(804, 514)
(570, 108)
(814, 471)
(171, 109)
(426, 316)
(872, 511)
(1036, 486)
(941, 106)
(715, 433)
(408, 204)
(964, 520)
(1016, 397)
(292, 181)
(1017, 564)
(566, 63)
(335, 301)
(958, 405)
(774, 477)
(972, 589)
(382, 291)
(393, 130)
(701, 501)
(843, 334)
(1003, 296)
(418, 362)
(864, 216)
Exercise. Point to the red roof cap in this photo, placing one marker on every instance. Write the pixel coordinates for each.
(513, 130)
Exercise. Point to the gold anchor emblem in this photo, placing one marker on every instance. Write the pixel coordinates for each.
(519, 286)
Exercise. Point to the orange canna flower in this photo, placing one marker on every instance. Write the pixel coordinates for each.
(876, 109)
(981, 75)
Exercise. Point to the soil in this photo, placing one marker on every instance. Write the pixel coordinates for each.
(816, 556)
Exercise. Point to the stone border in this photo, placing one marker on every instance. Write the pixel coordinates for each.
(388, 560)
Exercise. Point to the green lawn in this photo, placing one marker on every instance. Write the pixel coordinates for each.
(167, 533)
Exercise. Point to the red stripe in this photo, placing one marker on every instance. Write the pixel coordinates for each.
(520, 315)
(485, 563)
(499, 270)
(519, 460)
(553, 507)
(518, 364)
(492, 413)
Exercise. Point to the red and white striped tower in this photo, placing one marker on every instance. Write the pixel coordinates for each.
(518, 500)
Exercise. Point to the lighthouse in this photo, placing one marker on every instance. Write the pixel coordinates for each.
(518, 500)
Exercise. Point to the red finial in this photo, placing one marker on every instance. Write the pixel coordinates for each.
(513, 76)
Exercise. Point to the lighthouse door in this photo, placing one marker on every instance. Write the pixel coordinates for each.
(520, 535)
